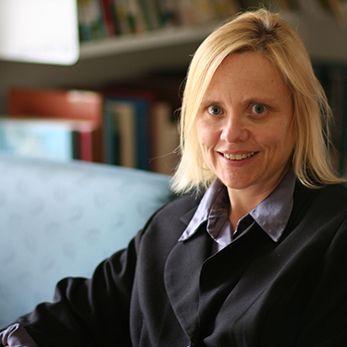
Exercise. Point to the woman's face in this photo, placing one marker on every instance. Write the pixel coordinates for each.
(244, 124)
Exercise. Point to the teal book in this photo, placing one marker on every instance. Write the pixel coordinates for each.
(36, 138)
(142, 103)
(119, 133)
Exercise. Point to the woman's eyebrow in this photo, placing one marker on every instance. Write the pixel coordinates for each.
(251, 100)
(261, 100)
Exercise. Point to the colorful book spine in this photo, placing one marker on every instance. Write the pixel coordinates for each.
(108, 16)
(119, 133)
(39, 139)
(142, 110)
(80, 106)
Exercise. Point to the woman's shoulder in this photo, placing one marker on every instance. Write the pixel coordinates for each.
(323, 191)
(171, 219)
(337, 192)
(180, 205)
(327, 201)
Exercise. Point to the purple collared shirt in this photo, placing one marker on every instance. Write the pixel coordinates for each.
(271, 214)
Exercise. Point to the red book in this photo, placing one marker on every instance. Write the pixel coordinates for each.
(65, 104)
(107, 12)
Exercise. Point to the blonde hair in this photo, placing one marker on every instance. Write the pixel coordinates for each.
(263, 32)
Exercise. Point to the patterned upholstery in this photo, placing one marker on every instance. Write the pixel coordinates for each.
(62, 219)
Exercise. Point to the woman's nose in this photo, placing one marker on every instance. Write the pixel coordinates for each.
(234, 130)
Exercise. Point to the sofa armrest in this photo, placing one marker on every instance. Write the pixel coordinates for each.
(62, 219)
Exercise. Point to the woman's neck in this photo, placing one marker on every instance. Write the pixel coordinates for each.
(241, 206)
(243, 201)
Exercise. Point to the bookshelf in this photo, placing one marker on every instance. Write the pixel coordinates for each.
(128, 56)
(110, 60)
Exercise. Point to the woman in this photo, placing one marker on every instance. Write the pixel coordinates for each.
(255, 254)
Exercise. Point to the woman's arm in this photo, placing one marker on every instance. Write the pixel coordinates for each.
(16, 336)
(85, 312)
(325, 318)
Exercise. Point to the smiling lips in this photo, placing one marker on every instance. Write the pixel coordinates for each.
(238, 156)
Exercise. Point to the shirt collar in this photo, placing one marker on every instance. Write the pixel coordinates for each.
(272, 214)
(206, 204)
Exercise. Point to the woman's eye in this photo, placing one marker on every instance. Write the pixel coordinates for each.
(258, 109)
(214, 110)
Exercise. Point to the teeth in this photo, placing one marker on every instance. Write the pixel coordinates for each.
(238, 156)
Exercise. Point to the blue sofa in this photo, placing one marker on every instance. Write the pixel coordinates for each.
(62, 219)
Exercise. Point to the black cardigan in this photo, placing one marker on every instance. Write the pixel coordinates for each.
(253, 293)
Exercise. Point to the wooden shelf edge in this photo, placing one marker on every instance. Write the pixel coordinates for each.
(148, 40)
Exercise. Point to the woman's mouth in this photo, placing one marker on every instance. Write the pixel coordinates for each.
(238, 156)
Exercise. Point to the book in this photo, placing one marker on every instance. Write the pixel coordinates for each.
(333, 78)
(119, 133)
(71, 104)
(225, 8)
(108, 17)
(335, 90)
(199, 12)
(84, 28)
(336, 8)
(142, 102)
(248, 4)
(83, 130)
(37, 138)
(154, 15)
(91, 20)
(124, 20)
(186, 13)
(163, 90)
(289, 5)
(205, 11)
(142, 144)
(167, 86)
(337, 93)
(168, 13)
(165, 139)
(150, 13)
(137, 17)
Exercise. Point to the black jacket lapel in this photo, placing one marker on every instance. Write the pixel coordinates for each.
(182, 275)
